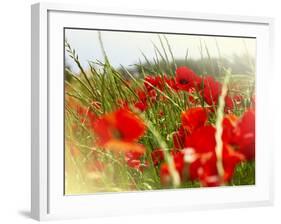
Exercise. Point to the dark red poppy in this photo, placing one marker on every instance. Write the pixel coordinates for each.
(145, 98)
(152, 94)
(186, 78)
(157, 156)
(229, 105)
(142, 106)
(142, 95)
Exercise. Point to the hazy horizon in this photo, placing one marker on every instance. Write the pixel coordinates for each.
(126, 48)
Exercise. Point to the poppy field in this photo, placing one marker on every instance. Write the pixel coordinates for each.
(167, 123)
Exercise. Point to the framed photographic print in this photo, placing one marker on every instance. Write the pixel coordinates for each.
(148, 111)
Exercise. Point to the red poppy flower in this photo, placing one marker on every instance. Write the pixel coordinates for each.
(212, 90)
(245, 134)
(161, 113)
(229, 105)
(237, 99)
(230, 159)
(133, 160)
(144, 98)
(241, 133)
(192, 98)
(178, 157)
(165, 176)
(229, 123)
(186, 78)
(157, 156)
(152, 95)
(204, 166)
(152, 81)
(129, 126)
(142, 95)
(202, 140)
(171, 82)
(179, 138)
(119, 129)
(142, 106)
(193, 118)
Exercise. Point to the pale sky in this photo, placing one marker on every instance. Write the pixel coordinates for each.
(125, 47)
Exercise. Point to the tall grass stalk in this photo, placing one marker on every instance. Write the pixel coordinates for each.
(219, 125)
(171, 165)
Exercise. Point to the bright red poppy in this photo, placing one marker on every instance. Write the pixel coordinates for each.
(171, 82)
(178, 158)
(229, 105)
(211, 90)
(191, 119)
(141, 104)
(194, 118)
(133, 160)
(151, 82)
(229, 123)
(179, 138)
(240, 133)
(245, 134)
(187, 79)
(204, 168)
(119, 130)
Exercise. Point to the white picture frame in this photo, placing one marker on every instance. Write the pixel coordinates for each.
(48, 201)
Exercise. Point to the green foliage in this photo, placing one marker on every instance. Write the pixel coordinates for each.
(107, 86)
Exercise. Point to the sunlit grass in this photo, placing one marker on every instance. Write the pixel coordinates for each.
(103, 89)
